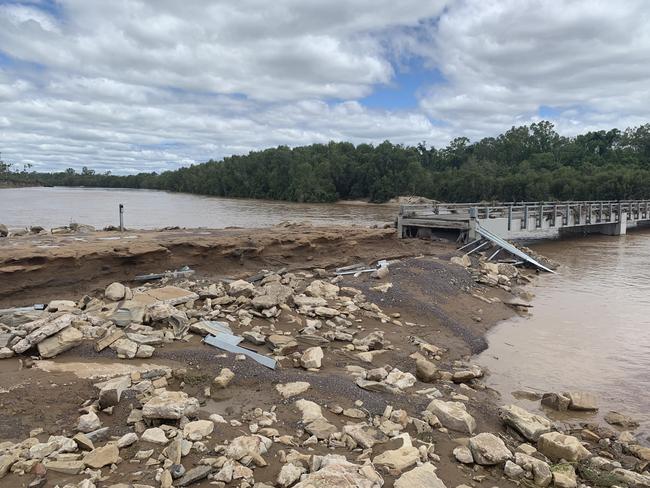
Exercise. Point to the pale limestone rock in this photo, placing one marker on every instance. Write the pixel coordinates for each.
(170, 405)
(197, 430)
(288, 390)
(529, 425)
(423, 476)
(487, 449)
(312, 358)
(60, 342)
(558, 446)
(115, 292)
(453, 415)
(154, 435)
(102, 456)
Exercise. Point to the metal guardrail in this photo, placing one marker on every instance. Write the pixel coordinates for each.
(585, 212)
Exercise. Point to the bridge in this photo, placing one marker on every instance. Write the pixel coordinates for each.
(523, 220)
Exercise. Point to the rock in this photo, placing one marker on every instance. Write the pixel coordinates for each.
(224, 378)
(365, 435)
(272, 294)
(529, 425)
(125, 348)
(145, 351)
(381, 273)
(463, 260)
(89, 422)
(376, 374)
(326, 312)
(315, 423)
(110, 392)
(61, 306)
(512, 470)
(249, 448)
(4, 231)
(375, 386)
(556, 401)
(630, 478)
(197, 430)
(102, 456)
(6, 462)
(541, 471)
(426, 371)
(558, 446)
(254, 337)
(288, 390)
(83, 441)
(289, 474)
(400, 379)
(424, 476)
(616, 418)
(115, 292)
(65, 467)
(60, 342)
(170, 405)
(399, 459)
(154, 435)
(127, 439)
(42, 329)
(463, 455)
(322, 289)
(335, 471)
(311, 358)
(453, 415)
(564, 476)
(580, 400)
(487, 449)
(6, 353)
(195, 474)
(241, 288)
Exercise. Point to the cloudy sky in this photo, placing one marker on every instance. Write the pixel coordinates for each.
(143, 85)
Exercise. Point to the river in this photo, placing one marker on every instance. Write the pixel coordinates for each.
(150, 209)
(589, 329)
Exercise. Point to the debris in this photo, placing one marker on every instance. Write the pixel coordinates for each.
(184, 272)
(235, 349)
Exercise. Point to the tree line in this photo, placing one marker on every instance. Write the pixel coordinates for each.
(530, 162)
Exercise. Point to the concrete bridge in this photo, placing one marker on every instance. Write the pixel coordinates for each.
(523, 220)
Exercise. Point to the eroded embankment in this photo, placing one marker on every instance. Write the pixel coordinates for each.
(39, 268)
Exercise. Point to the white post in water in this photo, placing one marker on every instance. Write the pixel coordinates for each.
(121, 218)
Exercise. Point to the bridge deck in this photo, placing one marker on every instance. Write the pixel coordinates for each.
(525, 220)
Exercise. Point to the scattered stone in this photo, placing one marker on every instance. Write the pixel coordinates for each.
(197, 430)
(556, 401)
(89, 422)
(463, 455)
(115, 292)
(195, 474)
(289, 474)
(621, 420)
(426, 371)
(224, 378)
(170, 405)
(487, 449)
(579, 400)
(102, 456)
(423, 476)
(529, 425)
(558, 446)
(512, 470)
(399, 459)
(564, 476)
(127, 439)
(311, 358)
(288, 390)
(453, 415)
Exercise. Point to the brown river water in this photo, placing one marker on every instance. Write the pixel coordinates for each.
(589, 328)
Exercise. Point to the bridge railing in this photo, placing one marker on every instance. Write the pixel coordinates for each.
(564, 213)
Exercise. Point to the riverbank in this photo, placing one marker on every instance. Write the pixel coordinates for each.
(368, 363)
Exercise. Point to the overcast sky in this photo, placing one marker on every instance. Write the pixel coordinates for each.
(143, 85)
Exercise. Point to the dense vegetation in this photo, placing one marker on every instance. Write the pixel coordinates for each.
(525, 163)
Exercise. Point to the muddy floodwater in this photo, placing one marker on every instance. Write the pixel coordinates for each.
(148, 209)
(589, 329)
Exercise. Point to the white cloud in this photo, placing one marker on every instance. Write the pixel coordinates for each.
(149, 85)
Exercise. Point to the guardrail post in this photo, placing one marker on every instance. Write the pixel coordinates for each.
(565, 218)
(554, 214)
(525, 226)
(620, 212)
(510, 217)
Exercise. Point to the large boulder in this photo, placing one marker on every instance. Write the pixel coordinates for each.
(60, 342)
(102, 456)
(556, 446)
(241, 288)
(115, 292)
(581, 400)
(529, 425)
(334, 470)
(399, 459)
(170, 405)
(312, 358)
(42, 329)
(487, 449)
(424, 476)
(453, 415)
